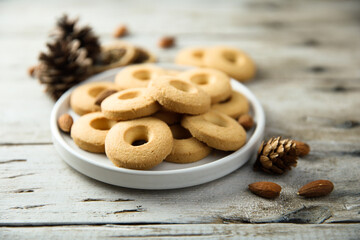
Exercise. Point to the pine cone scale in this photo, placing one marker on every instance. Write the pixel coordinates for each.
(265, 162)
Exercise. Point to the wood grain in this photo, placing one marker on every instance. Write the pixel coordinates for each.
(58, 190)
(189, 231)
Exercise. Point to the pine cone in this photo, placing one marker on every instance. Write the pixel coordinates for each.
(67, 29)
(65, 65)
(276, 156)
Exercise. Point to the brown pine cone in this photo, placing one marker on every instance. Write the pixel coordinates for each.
(68, 29)
(276, 156)
(63, 66)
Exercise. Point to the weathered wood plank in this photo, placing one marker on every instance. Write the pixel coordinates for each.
(198, 231)
(150, 17)
(44, 189)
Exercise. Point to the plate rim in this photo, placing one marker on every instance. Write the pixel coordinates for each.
(258, 131)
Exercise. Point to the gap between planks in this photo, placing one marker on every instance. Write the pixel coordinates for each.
(61, 224)
(25, 144)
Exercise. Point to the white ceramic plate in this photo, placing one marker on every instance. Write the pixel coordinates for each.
(166, 175)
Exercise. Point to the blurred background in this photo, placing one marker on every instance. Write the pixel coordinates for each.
(280, 31)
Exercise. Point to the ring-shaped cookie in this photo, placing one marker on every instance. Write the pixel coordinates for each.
(212, 81)
(193, 56)
(82, 99)
(129, 104)
(178, 95)
(137, 75)
(216, 129)
(116, 54)
(186, 148)
(90, 130)
(139, 144)
(235, 106)
(232, 61)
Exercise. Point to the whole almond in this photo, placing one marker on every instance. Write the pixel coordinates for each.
(302, 148)
(166, 42)
(265, 189)
(104, 94)
(246, 121)
(317, 188)
(65, 122)
(120, 31)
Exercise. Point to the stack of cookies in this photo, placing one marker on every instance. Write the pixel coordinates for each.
(149, 115)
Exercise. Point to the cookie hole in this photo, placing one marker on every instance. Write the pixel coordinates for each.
(143, 75)
(142, 56)
(179, 132)
(230, 56)
(95, 91)
(183, 86)
(198, 54)
(200, 79)
(139, 142)
(137, 136)
(129, 95)
(215, 119)
(102, 124)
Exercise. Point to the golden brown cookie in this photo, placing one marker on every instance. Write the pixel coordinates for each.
(216, 129)
(82, 99)
(234, 106)
(172, 72)
(232, 61)
(186, 148)
(116, 54)
(137, 75)
(193, 56)
(139, 144)
(212, 81)
(129, 104)
(179, 95)
(90, 130)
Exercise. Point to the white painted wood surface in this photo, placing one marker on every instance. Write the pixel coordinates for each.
(190, 231)
(308, 56)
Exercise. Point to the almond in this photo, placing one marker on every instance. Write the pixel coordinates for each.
(167, 42)
(31, 71)
(120, 31)
(317, 188)
(65, 122)
(302, 148)
(246, 121)
(265, 189)
(104, 94)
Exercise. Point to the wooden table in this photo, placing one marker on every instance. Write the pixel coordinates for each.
(308, 56)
